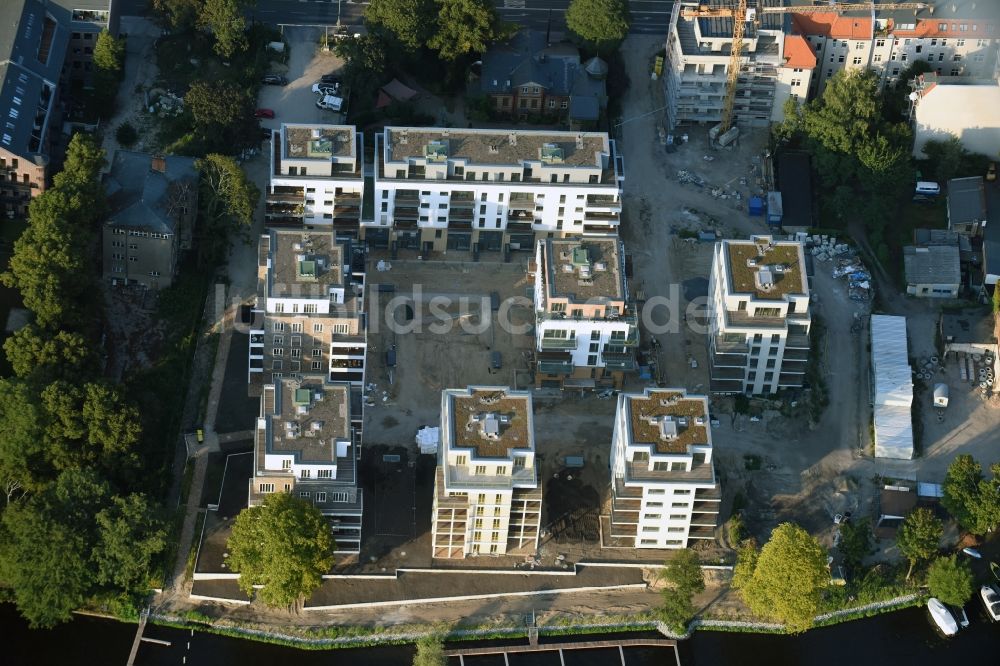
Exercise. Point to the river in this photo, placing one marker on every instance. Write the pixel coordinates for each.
(904, 637)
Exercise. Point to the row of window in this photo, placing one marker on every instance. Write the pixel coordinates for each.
(321, 497)
(662, 491)
(316, 352)
(478, 536)
(668, 542)
(278, 364)
(120, 231)
(279, 327)
(120, 268)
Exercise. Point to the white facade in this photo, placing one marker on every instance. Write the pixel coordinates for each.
(487, 498)
(758, 316)
(431, 184)
(664, 490)
(316, 176)
(954, 107)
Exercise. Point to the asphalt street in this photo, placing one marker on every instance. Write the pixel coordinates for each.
(648, 16)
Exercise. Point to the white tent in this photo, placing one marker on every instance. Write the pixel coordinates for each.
(940, 395)
(893, 390)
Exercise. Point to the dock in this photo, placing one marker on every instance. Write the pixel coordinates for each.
(621, 644)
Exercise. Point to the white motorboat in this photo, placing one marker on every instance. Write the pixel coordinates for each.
(972, 552)
(942, 617)
(991, 601)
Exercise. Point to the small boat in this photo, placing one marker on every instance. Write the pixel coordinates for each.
(958, 612)
(972, 552)
(991, 601)
(995, 568)
(942, 617)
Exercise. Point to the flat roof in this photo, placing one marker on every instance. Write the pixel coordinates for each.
(499, 147)
(779, 264)
(492, 421)
(317, 142)
(304, 264)
(583, 269)
(307, 419)
(646, 414)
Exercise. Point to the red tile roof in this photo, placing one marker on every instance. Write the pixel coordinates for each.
(931, 27)
(832, 24)
(798, 53)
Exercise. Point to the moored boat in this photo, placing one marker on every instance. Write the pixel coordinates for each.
(942, 617)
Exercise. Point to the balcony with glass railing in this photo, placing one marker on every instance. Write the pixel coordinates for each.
(555, 367)
(557, 343)
(462, 477)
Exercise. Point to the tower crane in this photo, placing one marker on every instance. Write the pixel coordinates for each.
(741, 14)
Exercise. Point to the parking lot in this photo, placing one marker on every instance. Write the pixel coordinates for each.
(307, 62)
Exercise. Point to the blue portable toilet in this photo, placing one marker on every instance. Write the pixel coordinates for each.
(756, 207)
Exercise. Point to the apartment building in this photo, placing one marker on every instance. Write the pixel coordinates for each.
(153, 202)
(316, 178)
(487, 495)
(759, 319)
(586, 330)
(306, 442)
(461, 189)
(43, 43)
(664, 493)
(308, 318)
(697, 65)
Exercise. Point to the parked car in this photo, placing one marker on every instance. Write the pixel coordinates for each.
(330, 78)
(274, 80)
(329, 102)
(496, 360)
(263, 113)
(325, 88)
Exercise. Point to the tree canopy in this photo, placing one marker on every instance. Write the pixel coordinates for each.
(227, 201)
(973, 500)
(225, 19)
(685, 579)
(855, 542)
(600, 22)
(410, 22)
(785, 580)
(131, 536)
(918, 537)
(950, 580)
(284, 544)
(466, 26)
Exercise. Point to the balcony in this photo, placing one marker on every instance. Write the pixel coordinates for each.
(618, 358)
(705, 507)
(460, 476)
(739, 318)
(721, 345)
(630, 340)
(281, 191)
(348, 199)
(407, 196)
(795, 354)
(594, 216)
(462, 214)
(729, 360)
(462, 200)
(792, 367)
(346, 212)
(521, 202)
(702, 533)
(406, 213)
(713, 494)
(641, 472)
(552, 367)
(459, 224)
(346, 223)
(621, 491)
(723, 372)
(790, 381)
(606, 201)
(797, 342)
(557, 343)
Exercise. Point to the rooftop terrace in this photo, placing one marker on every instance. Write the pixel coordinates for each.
(307, 418)
(318, 142)
(498, 147)
(767, 270)
(491, 421)
(583, 270)
(304, 264)
(668, 419)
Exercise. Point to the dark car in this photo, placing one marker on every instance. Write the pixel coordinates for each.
(496, 360)
(274, 80)
(264, 113)
(330, 78)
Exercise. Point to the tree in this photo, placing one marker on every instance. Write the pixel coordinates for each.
(430, 652)
(125, 135)
(226, 192)
(683, 573)
(23, 454)
(600, 22)
(847, 113)
(131, 536)
(225, 19)
(466, 26)
(46, 544)
(365, 62)
(855, 542)
(746, 563)
(961, 489)
(284, 544)
(179, 15)
(109, 53)
(950, 580)
(918, 537)
(945, 157)
(32, 352)
(410, 22)
(788, 577)
(223, 115)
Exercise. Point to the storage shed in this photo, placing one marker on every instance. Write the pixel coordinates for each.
(892, 388)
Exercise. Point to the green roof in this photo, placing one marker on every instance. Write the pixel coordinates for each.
(302, 396)
(580, 256)
(307, 269)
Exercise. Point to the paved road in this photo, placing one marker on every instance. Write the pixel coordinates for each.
(648, 16)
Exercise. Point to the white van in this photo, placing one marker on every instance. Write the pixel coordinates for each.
(927, 188)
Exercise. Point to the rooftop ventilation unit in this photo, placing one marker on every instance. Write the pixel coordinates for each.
(668, 427)
(551, 154)
(436, 151)
(316, 132)
(494, 149)
(600, 266)
(513, 138)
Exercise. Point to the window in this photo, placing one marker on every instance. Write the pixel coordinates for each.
(481, 498)
(317, 365)
(296, 328)
(276, 365)
(309, 308)
(959, 42)
(879, 42)
(317, 328)
(680, 505)
(266, 488)
(796, 83)
(339, 497)
(461, 460)
(305, 474)
(650, 528)
(321, 497)
(305, 494)
(678, 516)
(675, 529)
(478, 524)
(316, 352)
(480, 511)
(296, 353)
(877, 57)
(654, 505)
(278, 351)
(682, 492)
(955, 71)
(856, 60)
(480, 469)
(656, 491)
(494, 548)
(496, 523)
(286, 463)
(279, 340)
(278, 326)
(652, 516)
(957, 57)
(324, 474)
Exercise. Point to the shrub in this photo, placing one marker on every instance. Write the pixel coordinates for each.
(126, 136)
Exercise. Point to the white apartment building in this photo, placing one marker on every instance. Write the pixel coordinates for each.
(308, 317)
(316, 178)
(306, 442)
(772, 69)
(586, 331)
(664, 492)
(487, 189)
(487, 496)
(758, 316)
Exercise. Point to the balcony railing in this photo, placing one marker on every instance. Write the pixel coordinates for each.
(460, 476)
(729, 360)
(797, 342)
(464, 214)
(641, 472)
(407, 195)
(406, 213)
(555, 367)
(558, 343)
(740, 318)
(724, 346)
(521, 203)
